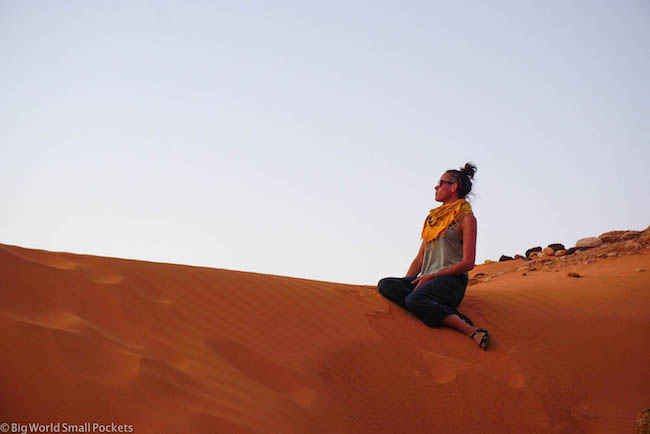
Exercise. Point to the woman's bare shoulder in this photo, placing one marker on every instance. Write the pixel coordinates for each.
(467, 218)
(468, 222)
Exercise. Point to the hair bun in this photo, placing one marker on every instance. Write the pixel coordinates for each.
(469, 170)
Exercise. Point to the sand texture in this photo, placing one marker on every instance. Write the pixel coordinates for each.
(171, 349)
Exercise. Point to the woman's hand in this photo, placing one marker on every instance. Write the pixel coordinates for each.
(423, 279)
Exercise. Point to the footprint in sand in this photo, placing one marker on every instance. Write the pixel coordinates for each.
(263, 370)
(445, 369)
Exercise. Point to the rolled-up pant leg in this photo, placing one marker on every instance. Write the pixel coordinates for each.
(396, 289)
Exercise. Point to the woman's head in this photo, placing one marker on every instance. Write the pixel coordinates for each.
(455, 184)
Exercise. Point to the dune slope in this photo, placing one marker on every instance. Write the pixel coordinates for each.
(170, 348)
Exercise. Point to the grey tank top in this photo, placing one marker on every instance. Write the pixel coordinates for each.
(447, 250)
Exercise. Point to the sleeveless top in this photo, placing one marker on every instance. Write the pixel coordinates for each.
(447, 250)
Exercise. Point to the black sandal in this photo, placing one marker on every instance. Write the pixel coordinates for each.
(485, 340)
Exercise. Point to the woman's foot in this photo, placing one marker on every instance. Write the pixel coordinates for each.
(482, 338)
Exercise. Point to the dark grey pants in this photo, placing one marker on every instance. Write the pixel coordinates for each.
(432, 302)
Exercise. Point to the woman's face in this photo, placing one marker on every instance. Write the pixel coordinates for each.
(445, 188)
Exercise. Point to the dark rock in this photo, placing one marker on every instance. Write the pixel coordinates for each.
(573, 274)
(534, 249)
(479, 274)
(505, 258)
(519, 257)
(557, 246)
(571, 251)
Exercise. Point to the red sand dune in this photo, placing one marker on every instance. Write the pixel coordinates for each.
(170, 349)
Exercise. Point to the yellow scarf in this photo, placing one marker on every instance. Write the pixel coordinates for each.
(439, 219)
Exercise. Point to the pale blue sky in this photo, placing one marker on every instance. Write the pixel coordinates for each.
(305, 138)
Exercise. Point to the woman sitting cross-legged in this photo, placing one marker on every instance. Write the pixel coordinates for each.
(446, 255)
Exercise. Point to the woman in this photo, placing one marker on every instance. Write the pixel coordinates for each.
(447, 253)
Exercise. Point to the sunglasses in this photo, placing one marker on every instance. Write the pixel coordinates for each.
(446, 182)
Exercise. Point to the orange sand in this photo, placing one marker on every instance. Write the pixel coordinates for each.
(171, 349)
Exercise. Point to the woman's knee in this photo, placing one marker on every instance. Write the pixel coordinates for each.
(382, 285)
(389, 287)
(386, 282)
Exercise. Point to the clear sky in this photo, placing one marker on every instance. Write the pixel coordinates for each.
(305, 138)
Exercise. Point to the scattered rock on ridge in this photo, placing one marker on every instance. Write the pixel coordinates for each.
(644, 237)
(630, 235)
(589, 243)
(613, 236)
(587, 250)
(548, 251)
(531, 250)
(610, 237)
(632, 245)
